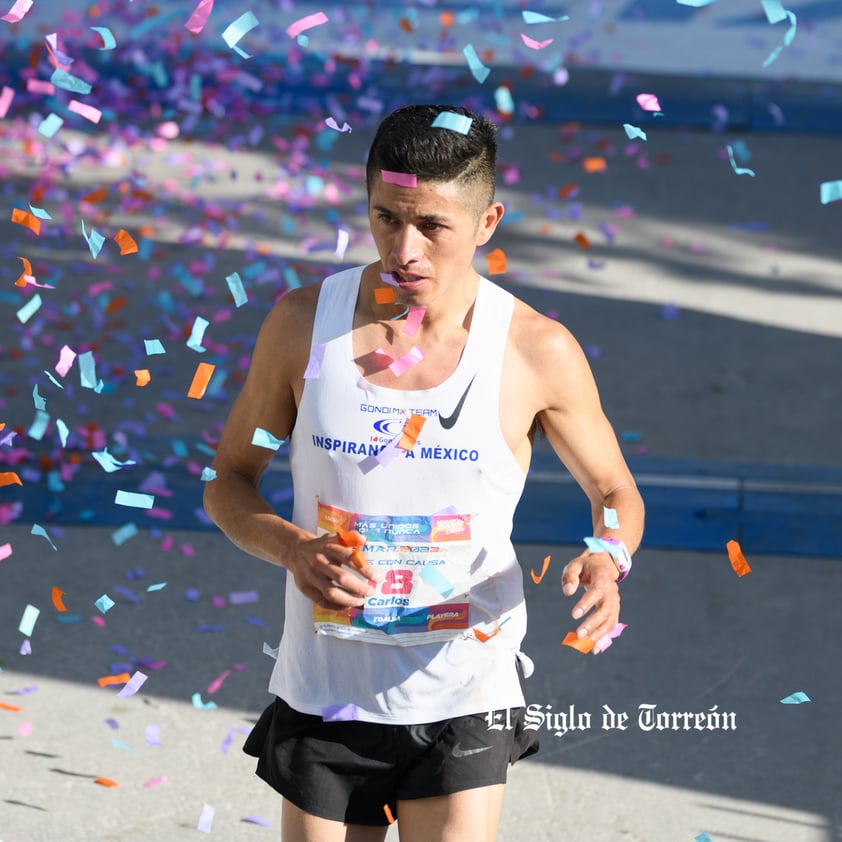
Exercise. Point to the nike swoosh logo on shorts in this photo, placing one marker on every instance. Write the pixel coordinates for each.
(448, 422)
(466, 752)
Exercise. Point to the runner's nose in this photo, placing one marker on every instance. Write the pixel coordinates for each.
(406, 247)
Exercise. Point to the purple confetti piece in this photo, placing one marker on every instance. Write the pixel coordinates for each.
(26, 647)
(257, 819)
(314, 364)
(242, 597)
(134, 684)
(206, 819)
(153, 735)
(113, 724)
(340, 713)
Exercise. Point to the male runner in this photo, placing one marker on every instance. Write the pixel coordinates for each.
(410, 390)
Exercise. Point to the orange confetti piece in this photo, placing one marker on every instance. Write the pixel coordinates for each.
(9, 478)
(496, 262)
(28, 220)
(95, 196)
(117, 304)
(106, 782)
(12, 708)
(537, 579)
(738, 560)
(482, 637)
(126, 242)
(204, 372)
(582, 241)
(411, 430)
(568, 190)
(354, 539)
(389, 817)
(58, 593)
(106, 680)
(406, 25)
(447, 18)
(27, 270)
(595, 164)
(385, 295)
(143, 376)
(580, 644)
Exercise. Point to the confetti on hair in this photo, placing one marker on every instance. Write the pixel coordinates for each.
(737, 559)
(402, 179)
(453, 121)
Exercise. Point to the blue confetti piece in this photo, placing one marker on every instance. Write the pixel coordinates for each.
(95, 240)
(479, 70)
(197, 334)
(609, 517)
(157, 587)
(50, 125)
(108, 40)
(235, 285)
(208, 474)
(29, 309)
(39, 530)
(39, 212)
(120, 536)
(737, 170)
(39, 425)
(28, 620)
(831, 191)
(797, 698)
(263, 438)
(435, 580)
(108, 463)
(537, 17)
(69, 618)
(63, 431)
(703, 837)
(192, 595)
(67, 82)
(633, 132)
(504, 101)
(236, 30)
(455, 122)
(200, 705)
(105, 603)
(775, 12)
(137, 501)
(597, 545)
(153, 346)
(696, 4)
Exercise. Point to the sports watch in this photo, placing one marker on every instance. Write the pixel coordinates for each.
(621, 555)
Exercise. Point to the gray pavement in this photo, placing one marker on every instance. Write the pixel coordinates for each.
(698, 639)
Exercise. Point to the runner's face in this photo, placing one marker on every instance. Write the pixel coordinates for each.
(427, 235)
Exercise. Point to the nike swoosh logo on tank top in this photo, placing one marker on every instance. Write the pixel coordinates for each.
(449, 421)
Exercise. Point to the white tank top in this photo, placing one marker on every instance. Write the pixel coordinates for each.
(438, 518)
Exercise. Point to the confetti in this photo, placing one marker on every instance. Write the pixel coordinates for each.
(109, 42)
(107, 782)
(580, 644)
(697, 4)
(332, 124)
(737, 559)
(5, 551)
(196, 22)
(159, 586)
(217, 682)
(582, 241)
(413, 320)
(536, 45)
(67, 82)
(607, 639)
(411, 431)
(633, 132)
(340, 713)
(65, 360)
(58, 602)
(95, 241)
(435, 580)
(455, 122)
(196, 698)
(400, 178)
(143, 377)
(108, 463)
(537, 17)
(201, 379)
(208, 474)
(496, 261)
(235, 31)
(263, 438)
(6, 96)
(479, 70)
(702, 837)
(153, 735)
(28, 220)
(127, 243)
(797, 698)
(504, 101)
(775, 12)
(9, 478)
(235, 286)
(409, 359)
(137, 501)
(389, 817)
(648, 102)
(831, 191)
(108, 680)
(197, 334)
(305, 23)
(18, 11)
(537, 579)
(737, 170)
(153, 346)
(155, 782)
(10, 708)
(609, 518)
(105, 603)
(28, 620)
(39, 530)
(134, 684)
(384, 295)
(595, 164)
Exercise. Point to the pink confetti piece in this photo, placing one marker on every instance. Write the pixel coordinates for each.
(606, 640)
(536, 45)
(40, 86)
(648, 102)
(206, 819)
(99, 621)
(409, 359)
(25, 729)
(5, 551)
(218, 602)
(196, 22)
(94, 115)
(413, 320)
(134, 684)
(217, 682)
(18, 11)
(155, 782)
(305, 23)
(6, 97)
(402, 179)
(314, 364)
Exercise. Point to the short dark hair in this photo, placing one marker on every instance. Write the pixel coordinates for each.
(406, 142)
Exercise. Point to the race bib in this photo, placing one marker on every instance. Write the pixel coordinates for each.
(425, 565)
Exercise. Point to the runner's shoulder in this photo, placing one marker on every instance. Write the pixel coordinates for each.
(539, 339)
